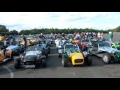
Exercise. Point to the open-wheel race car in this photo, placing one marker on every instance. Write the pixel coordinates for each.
(30, 41)
(15, 49)
(84, 44)
(32, 57)
(104, 50)
(45, 46)
(5, 55)
(116, 45)
(73, 55)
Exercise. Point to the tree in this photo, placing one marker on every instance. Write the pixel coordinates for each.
(3, 28)
(13, 32)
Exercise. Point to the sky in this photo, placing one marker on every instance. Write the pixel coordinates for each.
(30, 20)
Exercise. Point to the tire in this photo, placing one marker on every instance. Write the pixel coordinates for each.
(89, 60)
(43, 62)
(65, 62)
(106, 58)
(17, 64)
(45, 52)
(11, 56)
(118, 48)
(84, 49)
(59, 55)
(18, 52)
(48, 50)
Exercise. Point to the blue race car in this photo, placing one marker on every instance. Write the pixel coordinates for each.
(16, 50)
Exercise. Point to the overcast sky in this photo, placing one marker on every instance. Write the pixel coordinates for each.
(30, 20)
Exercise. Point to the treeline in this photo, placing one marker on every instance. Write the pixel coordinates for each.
(55, 30)
(6, 31)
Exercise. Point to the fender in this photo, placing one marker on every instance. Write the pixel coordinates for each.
(43, 57)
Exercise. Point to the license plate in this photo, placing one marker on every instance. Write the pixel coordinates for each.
(29, 66)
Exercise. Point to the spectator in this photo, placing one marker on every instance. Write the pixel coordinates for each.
(111, 37)
(77, 36)
(99, 35)
(25, 41)
(41, 36)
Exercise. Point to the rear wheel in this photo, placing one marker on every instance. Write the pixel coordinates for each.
(65, 62)
(8, 55)
(48, 50)
(17, 63)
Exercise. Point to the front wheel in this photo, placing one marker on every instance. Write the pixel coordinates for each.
(106, 58)
(89, 60)
(43, 62)
(45, 52)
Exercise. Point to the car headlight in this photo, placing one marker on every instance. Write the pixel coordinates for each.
(59, 46)
(21, 56)
(69, 53)
(112, 51)
(85, 53)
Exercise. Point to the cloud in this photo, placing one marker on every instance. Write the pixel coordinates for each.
(29, 20)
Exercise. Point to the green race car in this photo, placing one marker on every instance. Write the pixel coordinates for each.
(72, 55)
(116, 45)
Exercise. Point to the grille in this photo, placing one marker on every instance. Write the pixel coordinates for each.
(78, 60)
(29, 63)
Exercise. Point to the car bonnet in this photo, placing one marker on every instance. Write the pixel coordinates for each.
(33, 53)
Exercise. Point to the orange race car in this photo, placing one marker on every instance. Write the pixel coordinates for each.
(5, 55)
(75, 41)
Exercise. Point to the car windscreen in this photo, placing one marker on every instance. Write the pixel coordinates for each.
(83, 41)
(33, 48)
(72, 47)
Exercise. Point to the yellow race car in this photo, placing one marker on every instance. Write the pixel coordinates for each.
(73, 56)
(1, 38)
(29, 42)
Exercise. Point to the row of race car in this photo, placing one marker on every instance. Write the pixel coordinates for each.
(36, 52)
(86, 48)
(72, 52)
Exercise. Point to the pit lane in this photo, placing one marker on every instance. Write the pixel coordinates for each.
(55, 69)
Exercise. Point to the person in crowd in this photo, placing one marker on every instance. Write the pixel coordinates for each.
(111, 37)
(25, 40)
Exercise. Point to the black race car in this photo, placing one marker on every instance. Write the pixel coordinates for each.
(31, 58)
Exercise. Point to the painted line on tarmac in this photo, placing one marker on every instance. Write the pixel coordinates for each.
(53, 54)
(10, 71)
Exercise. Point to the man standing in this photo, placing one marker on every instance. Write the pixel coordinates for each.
(25, 41)
(110, 37)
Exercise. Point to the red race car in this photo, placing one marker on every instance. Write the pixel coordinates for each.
(84, 44)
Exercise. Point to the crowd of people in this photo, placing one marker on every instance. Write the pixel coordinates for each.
(11, 39)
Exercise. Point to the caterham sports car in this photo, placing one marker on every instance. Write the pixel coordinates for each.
(31, 58)
(15, 49)
(73, 55)
(104, 50)
(84, 44)
(5, 55)
(45, 46)
(116, 45)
